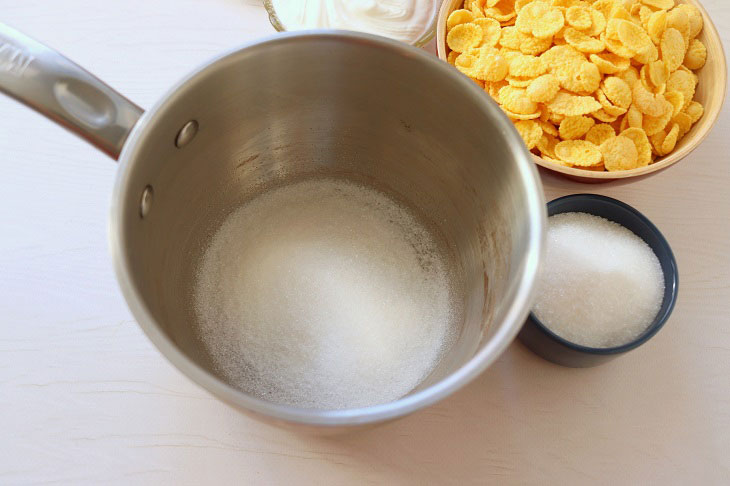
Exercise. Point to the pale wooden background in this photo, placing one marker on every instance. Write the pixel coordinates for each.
(85, 398)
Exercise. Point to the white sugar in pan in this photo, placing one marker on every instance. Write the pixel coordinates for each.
(325, 294)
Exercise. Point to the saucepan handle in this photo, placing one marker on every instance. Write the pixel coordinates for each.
(44, 80)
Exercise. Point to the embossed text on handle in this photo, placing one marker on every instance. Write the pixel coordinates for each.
(14, 60)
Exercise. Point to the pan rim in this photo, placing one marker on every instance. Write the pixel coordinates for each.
(519, 295)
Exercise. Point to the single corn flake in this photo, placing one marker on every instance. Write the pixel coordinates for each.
(466, 63)
(495, 68)
(690, 72)
(633, 36)
(536, 17)
(491, 31)
(578, 152)
(609, 63)
(696, 55)
(695, 18)
(676, 99)
(581, 77)
(596, 168)
(598, 23)
(527, 66)
(683, 82)
(644, 15)
(493, 87)
(623, 124)
(522, 116)
(678, 19)
(649, 54)
(510, 37)
(564, 4)
(515, 100)
(503, 11)
(605, 6)
(548, 24)
(583, 42)
(670, 141)
(519, 81)
(545, 116)
(673, 48)
(617, 91)
(695, 110)
(546, 145)
(457, 17)
(568, 104)
(617, 47)
(684, 121)
(603, 116)
(646, 101)
(484, 63)
(557, 56)
(599, 133)
(607, 105)
(529, 131)
(509, 54)
(528, 15)
(659, 4)
(612, 28)
(620, 13)
(658, 72)
(641, 142)
(579, 17)
(619, 153)
(464, 36)
(630, 75)
(574, 127)
(655, 124)
(554, 118)
(557, 161)
(656, 25)
(634, 117)
(656, 141)
(532, 45)
(548, 128)
(477, 8)
(543, 88)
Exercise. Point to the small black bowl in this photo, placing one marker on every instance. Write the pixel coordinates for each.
(552, 347)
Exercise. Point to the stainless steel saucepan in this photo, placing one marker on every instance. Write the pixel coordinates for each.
(294, 106)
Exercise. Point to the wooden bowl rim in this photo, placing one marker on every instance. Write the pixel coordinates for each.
(662, 163)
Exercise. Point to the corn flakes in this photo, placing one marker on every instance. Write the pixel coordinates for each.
(602, 85)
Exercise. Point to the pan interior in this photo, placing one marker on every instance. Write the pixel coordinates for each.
(318, 106)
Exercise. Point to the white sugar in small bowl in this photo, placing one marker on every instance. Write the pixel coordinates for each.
(553, 347)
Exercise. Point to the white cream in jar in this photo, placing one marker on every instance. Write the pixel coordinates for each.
(403, 20)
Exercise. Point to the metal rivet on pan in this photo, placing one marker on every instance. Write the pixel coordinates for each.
(186, 134)
(145, 202)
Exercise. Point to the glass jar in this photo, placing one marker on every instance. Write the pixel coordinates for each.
(410, 21)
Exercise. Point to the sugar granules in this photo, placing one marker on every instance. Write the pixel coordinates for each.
(324, 294)
(601, 285)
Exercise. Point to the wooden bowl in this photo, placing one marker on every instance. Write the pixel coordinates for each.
(710, 92)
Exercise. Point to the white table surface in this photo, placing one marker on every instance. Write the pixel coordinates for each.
(85, 397)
